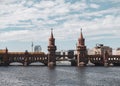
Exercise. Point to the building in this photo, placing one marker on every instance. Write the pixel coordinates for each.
(65, 52)
(118, 51)
(37, 48)
(100, 49)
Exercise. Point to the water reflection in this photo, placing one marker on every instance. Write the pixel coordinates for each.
(59, 76)
(81, 75)
(52, 76)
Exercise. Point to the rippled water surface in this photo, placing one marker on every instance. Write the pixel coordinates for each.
(59, 76)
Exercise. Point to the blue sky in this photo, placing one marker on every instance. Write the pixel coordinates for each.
(24, 21)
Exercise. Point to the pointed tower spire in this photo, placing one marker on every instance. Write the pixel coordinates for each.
(81, 35)
(51, 39)
(81, 39)
(52, 33)
(6, 49)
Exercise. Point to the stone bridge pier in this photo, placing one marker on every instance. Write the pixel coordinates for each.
(26, 59)
(105, 58)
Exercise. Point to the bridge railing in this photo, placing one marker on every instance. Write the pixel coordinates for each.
(22, 57)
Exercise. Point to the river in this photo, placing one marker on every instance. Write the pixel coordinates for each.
(59, 76)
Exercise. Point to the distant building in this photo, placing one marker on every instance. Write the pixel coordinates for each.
(58, 53)
(67, 52)
(100, 49)
(118, 51)
(37, 48)
(90, 52)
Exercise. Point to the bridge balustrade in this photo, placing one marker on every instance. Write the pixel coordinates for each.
(95, 59)
(24, 57)
(114, 59)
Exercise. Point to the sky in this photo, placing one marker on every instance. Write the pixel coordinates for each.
(25, 21)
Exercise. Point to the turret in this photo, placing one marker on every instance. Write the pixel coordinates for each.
(81, 51)
(51, 39)
(51, 50)
(6, 58)
(81, 40)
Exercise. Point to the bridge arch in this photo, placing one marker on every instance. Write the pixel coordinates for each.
(37, 63)
(16, 63)
(63, 63)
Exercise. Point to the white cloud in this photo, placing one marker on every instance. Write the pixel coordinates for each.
(69, 18)
(103, 1)
(45, 4)
(7, 1)
(94, 6)
(78, 6)
(25, 35)
(94, 28)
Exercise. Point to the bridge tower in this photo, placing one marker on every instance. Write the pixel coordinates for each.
(81, 51)
(6, 58)
(105, 58)
(26, 62)
(51, 50)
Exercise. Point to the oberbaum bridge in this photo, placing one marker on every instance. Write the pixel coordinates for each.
(81, 58)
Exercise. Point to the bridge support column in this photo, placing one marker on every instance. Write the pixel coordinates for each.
(26, 62)
(73, 63)
(51, 60)
(6, 58)
(105, 58)
(82, 60)
(116, 64)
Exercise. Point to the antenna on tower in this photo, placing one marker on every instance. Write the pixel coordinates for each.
(32, 46)
(51, 29)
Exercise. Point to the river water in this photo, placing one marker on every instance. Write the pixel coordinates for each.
(59, 76)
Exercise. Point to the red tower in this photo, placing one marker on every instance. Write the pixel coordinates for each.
(51, 50)
(81, 51)
(5, 58)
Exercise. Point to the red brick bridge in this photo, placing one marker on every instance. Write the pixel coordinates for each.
(50, 59)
